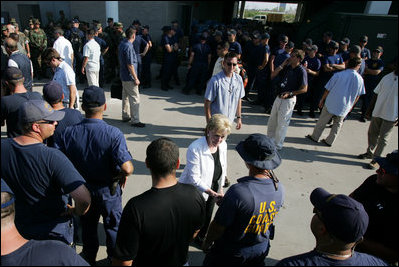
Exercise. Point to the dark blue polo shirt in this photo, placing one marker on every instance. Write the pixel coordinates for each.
(247, 211)
(96, 149)
(235, 47)
(256, 54)
(371, 81)
(279, 59)
(43, 253)
(138, 45)
(314, 64)
(292, 79)
(72, 117)
(201, 52)
(41, 178)
(127, 55)
(329, 59)
(164, 41)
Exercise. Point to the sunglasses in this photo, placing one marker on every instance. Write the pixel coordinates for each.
(231, 64)
(45, 122)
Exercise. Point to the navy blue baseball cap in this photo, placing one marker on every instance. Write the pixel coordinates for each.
(265, 36)
(333, 44)
(259, 151)
(344, 217)
(6, 188)
(13, 74)
(166, 28)
(93, 96)
(290, 44)
(389, 163)
(52, 91)
(36, 110)
(75, 21)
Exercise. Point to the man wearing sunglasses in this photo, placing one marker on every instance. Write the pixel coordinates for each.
(224, 92)
(379, 196)
(338, 224)
(42, 178)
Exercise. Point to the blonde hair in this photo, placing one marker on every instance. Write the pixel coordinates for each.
(218, 123)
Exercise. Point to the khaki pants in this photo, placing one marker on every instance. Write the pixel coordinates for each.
(92, 77)
(130, 100)
(324, 118)
(379, 132)
(279, 119)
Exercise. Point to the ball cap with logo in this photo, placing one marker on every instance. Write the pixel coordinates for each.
(37, 110)
(344, 217)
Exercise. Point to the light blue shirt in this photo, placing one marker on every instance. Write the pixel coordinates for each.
(65, 76)
(344, 87)
(224, 94)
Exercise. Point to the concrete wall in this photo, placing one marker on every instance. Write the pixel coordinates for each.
(88, 11)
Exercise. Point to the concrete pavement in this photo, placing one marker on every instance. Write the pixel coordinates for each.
(305, 165)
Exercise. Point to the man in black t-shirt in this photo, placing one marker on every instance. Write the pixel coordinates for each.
(379, 196)
(157, 226)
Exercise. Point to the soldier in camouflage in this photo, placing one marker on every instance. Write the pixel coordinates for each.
(23, 40)
(38, 43)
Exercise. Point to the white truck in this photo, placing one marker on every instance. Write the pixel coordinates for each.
(262, 18)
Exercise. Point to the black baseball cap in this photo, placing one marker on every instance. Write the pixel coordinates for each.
(52, 91)
(344, 217)
(333, 44)
(345, 41)
(93, 96)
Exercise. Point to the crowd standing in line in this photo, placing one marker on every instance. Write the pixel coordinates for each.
(90, 161)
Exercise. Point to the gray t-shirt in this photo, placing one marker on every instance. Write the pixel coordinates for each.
(224, 94)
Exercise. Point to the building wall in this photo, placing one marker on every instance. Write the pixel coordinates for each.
(88, 11)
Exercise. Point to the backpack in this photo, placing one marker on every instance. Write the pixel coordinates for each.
(76, 41)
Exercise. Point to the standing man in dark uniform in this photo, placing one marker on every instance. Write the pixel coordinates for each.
(365, 52)
(100, 39)
(168, 57)
(146, 59)
(141, 48)
(243, 225)
(100, 154)
(198, 64)
(76, 37)
(38, 43)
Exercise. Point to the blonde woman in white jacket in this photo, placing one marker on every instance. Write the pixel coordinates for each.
(207, 165)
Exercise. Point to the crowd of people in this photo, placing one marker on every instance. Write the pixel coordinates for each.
(61, 170)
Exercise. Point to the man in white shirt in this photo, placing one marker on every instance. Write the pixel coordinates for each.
(64, 75)
(384, 106)
(63, 46)
(91, 59)
(341, 94)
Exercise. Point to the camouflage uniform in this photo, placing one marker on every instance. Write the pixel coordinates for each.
(38, 43)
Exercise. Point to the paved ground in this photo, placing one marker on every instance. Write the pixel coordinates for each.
(305, 165)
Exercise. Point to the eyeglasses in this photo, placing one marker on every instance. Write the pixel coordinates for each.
(45, 122)
(231, 64)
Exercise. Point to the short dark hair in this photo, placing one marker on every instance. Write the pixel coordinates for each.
(49, 54)
(14, 36)
(130, 31)
(90, 111)
(26, 127)
(299, 53)
(353, 62)
(91, 32)
(230, 55)
(162, 157)
(59, 30)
